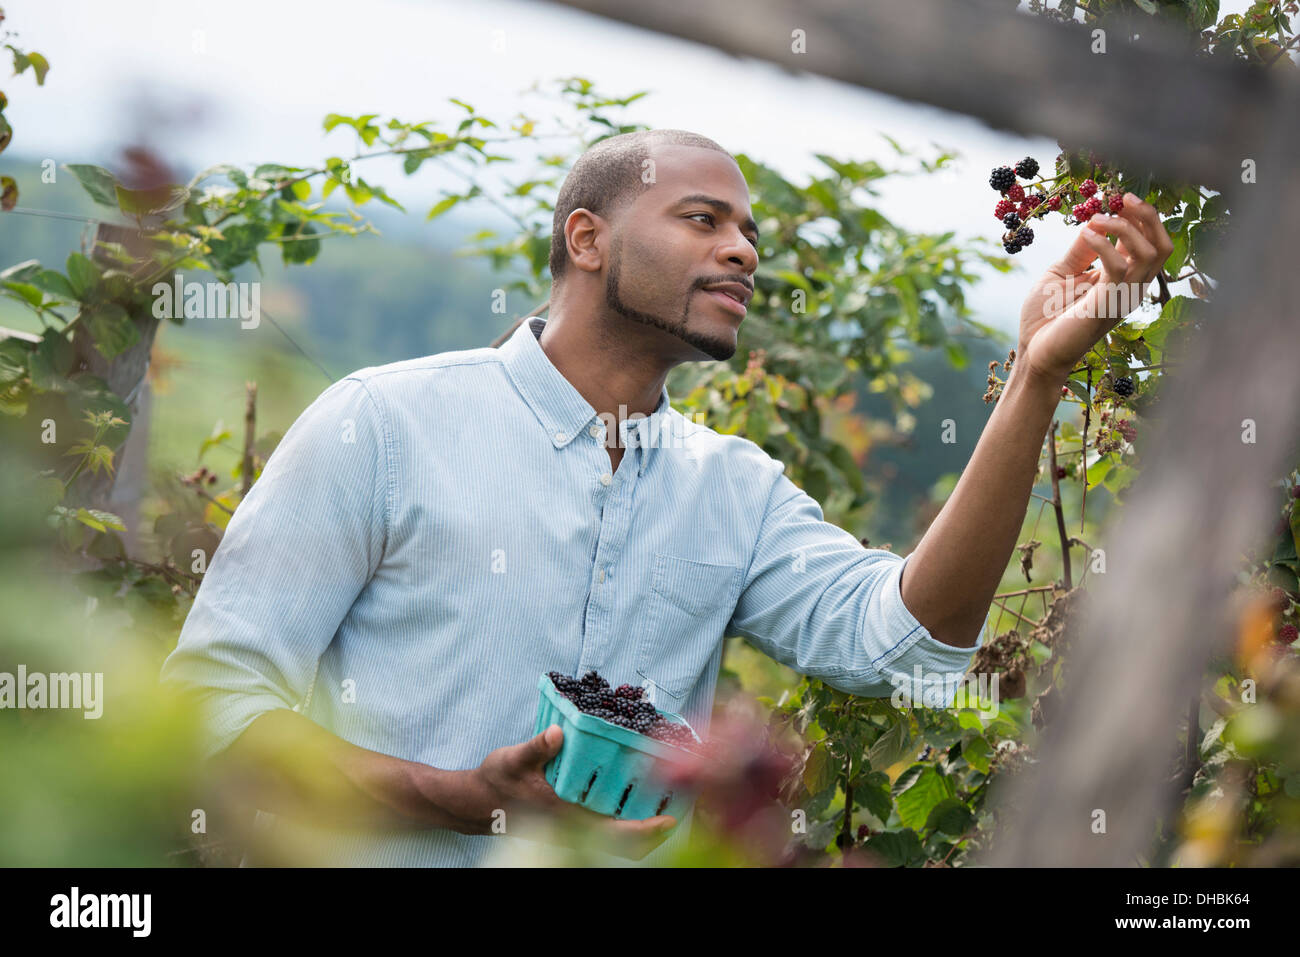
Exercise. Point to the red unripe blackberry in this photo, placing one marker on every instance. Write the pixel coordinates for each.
(1116, 203)
(1054, 203)
(1088, 187)
(1287, 634)
(1081, 213)
(1281, 600)
(1033, 200)
(1295, 490)
(1003, 207)
(1001, 178)
(1016, 192)
(1023, 210)
(1061, 472)
(1093, 205)
(864, 832)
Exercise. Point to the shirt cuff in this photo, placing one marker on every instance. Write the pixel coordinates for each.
(924, 668)
(225, 716)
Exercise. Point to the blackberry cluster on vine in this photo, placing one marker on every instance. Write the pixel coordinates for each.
(623, 706)
(1013, 216)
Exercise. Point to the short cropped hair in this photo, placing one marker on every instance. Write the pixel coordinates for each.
(607, 178)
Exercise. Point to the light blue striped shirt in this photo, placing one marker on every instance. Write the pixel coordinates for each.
(431, 535)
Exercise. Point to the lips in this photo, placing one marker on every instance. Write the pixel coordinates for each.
(733, 296)
(728, 302)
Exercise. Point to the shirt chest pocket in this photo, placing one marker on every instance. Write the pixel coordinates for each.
(689, 605)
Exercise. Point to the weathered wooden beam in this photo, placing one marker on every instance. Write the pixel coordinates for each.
(1157, 105)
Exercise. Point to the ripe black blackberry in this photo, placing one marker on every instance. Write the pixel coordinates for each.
(1011, 220)
(622, 706)
(1024, 236)
(1124, 386)
(1027, 168)
(1010, 246)
(1002, 178)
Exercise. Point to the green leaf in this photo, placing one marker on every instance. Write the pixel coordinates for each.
(55, 283)
(1204, 13)
(25, 291)
(1078, 388)
(22, 272)
(104, 519)
(817, 484)
(219, 435)
(872, 795)
(112, 329)
(1174, 264)
(1119, 477)
(300, 250)
(238, 243)
(14, 358)
(891, 746)
(442, 206)
(897, 848)
(51, 361)
(977, 753)
(819, 771)
(919, 799)
(97, 181)
(1214, 207)
(86, 518)
(1148, 6)
(1098, 470)
(950, 816)
(146, 202)
(40, 66)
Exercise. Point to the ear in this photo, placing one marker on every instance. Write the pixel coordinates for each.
(586, 234)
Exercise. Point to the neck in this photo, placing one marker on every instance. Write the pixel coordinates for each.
(616, 373)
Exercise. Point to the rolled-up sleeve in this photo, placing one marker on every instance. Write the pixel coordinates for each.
(816, 600)
(295, 555)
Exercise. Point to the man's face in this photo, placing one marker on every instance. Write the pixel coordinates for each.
(690, 229)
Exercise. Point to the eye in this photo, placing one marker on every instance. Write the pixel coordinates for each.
(710, 218)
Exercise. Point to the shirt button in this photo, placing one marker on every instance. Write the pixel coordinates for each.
(595, 431)
(602, 576)
(559, 436)
(606, 479)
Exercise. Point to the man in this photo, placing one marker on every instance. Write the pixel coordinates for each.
(432, 535)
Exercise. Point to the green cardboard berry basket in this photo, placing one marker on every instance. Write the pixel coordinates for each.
(605, 767)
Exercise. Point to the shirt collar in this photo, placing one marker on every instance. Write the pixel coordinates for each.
(560, 408)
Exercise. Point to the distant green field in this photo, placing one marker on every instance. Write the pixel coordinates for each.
(207, 385)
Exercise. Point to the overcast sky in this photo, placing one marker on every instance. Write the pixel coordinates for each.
(249, 81)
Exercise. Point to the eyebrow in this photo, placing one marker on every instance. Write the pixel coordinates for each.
(721, 205)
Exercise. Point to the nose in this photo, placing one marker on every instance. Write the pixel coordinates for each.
(739, 252)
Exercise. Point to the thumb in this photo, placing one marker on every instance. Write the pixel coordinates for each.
(546, 745)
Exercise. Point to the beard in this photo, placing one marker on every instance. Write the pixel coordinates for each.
(711, 346)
